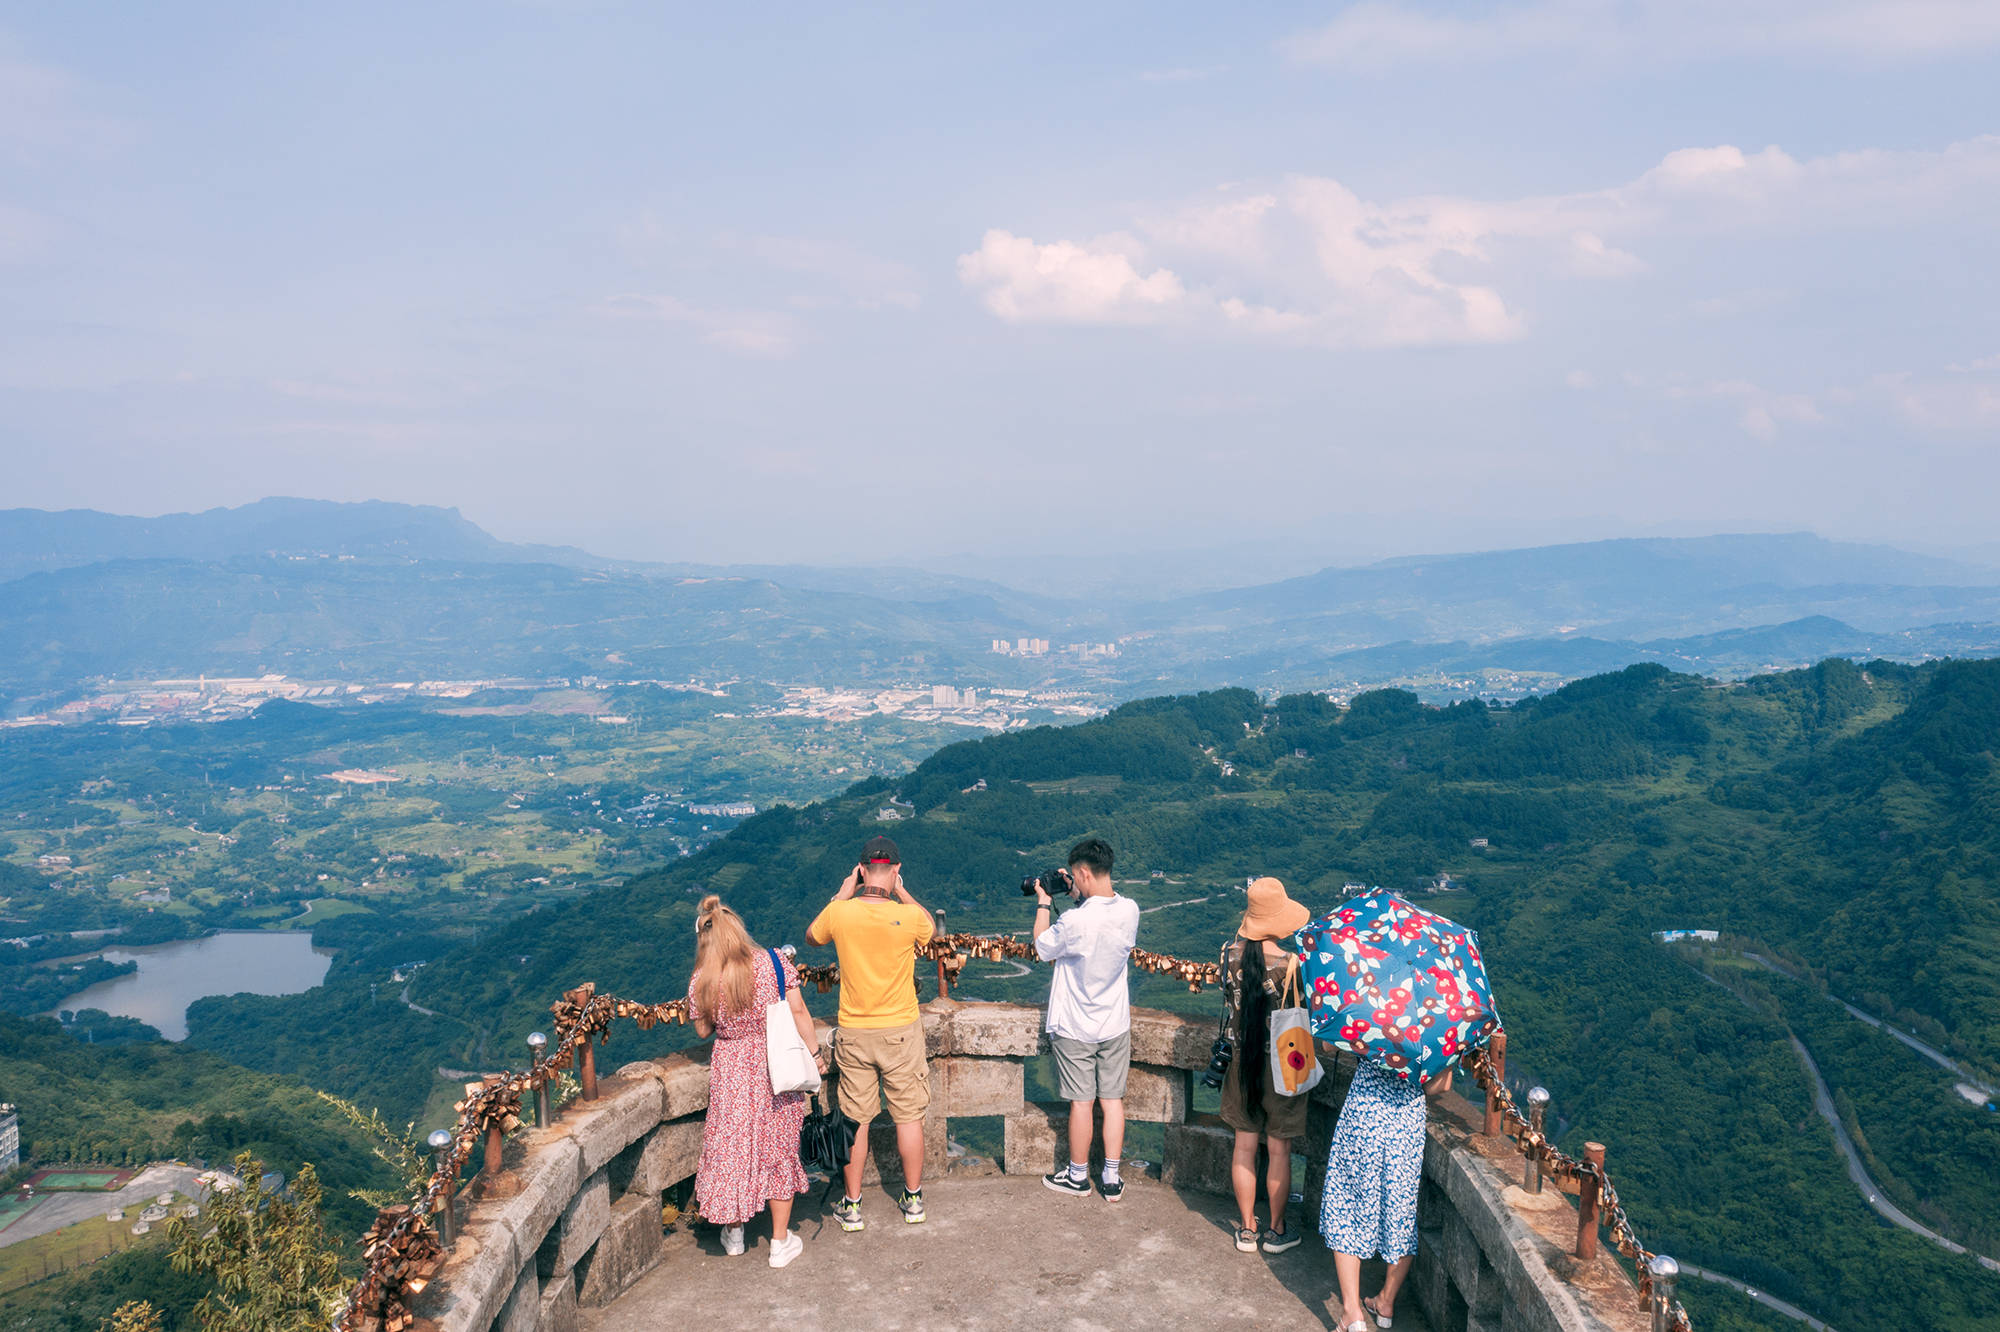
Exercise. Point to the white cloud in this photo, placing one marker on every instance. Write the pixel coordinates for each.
(1307, 260)
(1378, 36)
(1967, 398)
(1761, 412)
(745, 332)
(1067, 283)
(1580, 379)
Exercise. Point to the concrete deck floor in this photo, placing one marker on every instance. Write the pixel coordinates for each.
(997, 1252)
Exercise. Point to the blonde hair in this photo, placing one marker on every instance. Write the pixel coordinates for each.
(724, 960)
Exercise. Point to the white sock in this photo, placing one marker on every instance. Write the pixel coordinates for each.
(1110, 1170)
(1078, 1170)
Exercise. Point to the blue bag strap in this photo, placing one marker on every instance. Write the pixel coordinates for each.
(778, 970)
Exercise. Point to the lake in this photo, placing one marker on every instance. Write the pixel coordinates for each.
(173, 975)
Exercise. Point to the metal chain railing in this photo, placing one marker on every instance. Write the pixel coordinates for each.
(1596, 1195)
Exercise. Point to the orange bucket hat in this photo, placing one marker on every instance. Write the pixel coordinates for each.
(1272, 915)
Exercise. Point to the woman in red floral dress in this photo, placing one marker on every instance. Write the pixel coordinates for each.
(750, 1140)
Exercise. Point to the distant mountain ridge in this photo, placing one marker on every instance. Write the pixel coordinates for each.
(41, 541)
(388, 590)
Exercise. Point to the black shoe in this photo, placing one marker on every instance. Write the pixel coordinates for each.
(1063, 1182)
(1113, 1189)
(1277, 1241)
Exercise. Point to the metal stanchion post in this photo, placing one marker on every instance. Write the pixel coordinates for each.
(544, 1110)
(1664, 1271)
(1496, 1060)
(944, 981)
(440, 1143)
(1538, 1108)
(587, 1054)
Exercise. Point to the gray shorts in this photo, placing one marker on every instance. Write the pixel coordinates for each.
(1092, 1070)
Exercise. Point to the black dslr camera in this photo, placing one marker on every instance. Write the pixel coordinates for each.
(1219, 1055)
(1055, 883)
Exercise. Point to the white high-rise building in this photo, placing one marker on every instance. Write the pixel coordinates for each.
(944, 696)
(10, 1137)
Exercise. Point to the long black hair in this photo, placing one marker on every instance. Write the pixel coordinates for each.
(1254, 1038)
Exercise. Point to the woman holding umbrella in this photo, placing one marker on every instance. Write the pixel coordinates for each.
(1407, 992)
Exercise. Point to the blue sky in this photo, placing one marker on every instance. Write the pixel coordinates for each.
(784, 283)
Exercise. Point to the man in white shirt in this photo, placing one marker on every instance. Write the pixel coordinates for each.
(1090, 1010)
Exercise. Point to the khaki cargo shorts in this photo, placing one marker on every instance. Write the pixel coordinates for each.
(891, 1057)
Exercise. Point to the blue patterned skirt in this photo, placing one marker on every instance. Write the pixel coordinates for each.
(1374, 1168)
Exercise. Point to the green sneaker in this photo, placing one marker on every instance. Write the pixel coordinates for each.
(912, 1203)
(848, 1212)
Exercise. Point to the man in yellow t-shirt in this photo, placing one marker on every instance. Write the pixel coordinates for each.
(876, 928)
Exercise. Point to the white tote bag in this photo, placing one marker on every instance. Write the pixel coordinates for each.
(792, 1066)
(1295, 1067)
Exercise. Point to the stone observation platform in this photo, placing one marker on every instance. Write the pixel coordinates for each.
(568, 1235)
(998, 1253)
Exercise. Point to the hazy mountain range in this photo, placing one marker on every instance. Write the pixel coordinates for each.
(313, 588)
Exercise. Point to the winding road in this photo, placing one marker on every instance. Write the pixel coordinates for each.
(1771, 1302)
(1870, 1190)
(1930, 1052)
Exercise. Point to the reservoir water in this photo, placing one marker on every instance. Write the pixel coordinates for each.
(173, 975)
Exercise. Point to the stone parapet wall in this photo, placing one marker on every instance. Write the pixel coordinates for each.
(573, 1219)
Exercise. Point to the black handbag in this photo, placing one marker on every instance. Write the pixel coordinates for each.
(826, 1139)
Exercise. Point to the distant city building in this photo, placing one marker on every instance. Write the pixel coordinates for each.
(52, 860)
(361, 777)
(1002, 646)
(944, 696)
(1480, 843)
(10, 1136)
(979, 785)
(889, 814)
(734, 809)
(1675, 936)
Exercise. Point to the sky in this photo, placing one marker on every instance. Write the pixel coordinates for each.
(766, 283)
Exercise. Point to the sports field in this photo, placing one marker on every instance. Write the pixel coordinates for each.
(81, 1181)
(12, 1207)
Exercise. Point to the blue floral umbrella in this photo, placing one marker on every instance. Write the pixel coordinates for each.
(1396, 984)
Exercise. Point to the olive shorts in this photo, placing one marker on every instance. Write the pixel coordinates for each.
(890, 1059)
(1092, 1070)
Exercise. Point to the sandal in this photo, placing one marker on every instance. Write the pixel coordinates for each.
(1246, 1241)
(1382, 1320)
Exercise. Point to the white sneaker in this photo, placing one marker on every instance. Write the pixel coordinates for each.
(786, 1249)
(732, 1241)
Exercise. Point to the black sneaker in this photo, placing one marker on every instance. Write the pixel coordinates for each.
(1064, 1182)
(1113, 1189)
(1277, 1241)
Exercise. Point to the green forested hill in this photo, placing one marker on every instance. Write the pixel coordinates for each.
(1842, 815)
(153, 1100)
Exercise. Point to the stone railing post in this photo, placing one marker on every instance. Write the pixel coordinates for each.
(440, 1144)
(544, 1109)
(1496, 1061)
(1538, 1109)
(1664, 1271)
(1588, 1192)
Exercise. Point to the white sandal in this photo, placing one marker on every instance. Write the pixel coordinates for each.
(1382, 1321)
